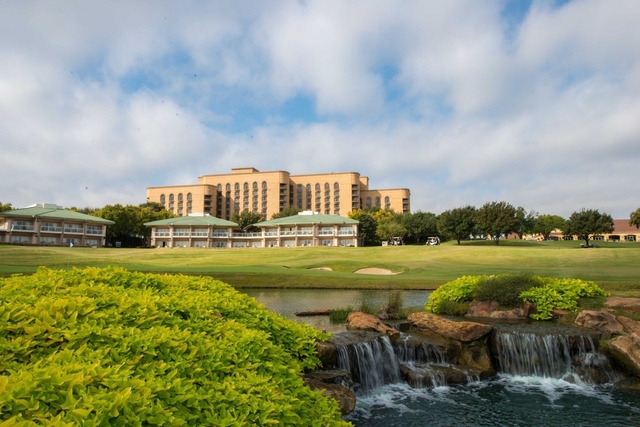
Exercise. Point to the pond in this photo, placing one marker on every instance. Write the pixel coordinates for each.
(507, 399)
(288, 301)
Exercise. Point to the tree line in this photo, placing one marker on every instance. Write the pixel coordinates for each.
(493, 220)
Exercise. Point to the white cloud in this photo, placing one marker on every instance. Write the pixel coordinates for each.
(99, 100)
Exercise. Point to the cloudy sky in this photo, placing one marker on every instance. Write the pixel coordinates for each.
(464, 101)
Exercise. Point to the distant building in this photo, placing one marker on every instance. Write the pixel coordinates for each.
(49, 224)
(205, 231)
(622, 232)
(271, 192)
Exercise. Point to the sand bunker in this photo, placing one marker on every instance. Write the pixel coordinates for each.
(373, 270)
(322, 268)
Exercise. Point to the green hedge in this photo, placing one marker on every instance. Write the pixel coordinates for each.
(545, 293)
(106, 347)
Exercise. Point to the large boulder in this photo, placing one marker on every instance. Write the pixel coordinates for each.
(418, 376)
(625, 350)
(460, 331)
(482, 308)
(367, 322)
(599, 321)
(344, 396)
(630, 326)
(489, 309)
(326, 354)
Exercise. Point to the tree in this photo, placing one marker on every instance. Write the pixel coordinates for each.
(459, 223)
(419, 225)
(635, 218)
(390, 228)
(5, 207)
(587, 223)
(496, 219)
(246, 219)
(545, 224)
(289, 211)
(366, 228)
(129, 228)
(526, 221)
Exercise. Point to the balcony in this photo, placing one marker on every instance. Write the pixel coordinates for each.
(181, 233)
(161, 234)
(15, 227)
(220, 234)
(93, 232)
(200, 234)
(345, 233)
(271, 233)
(246, 234)
(325, 233)
(51, 229)
(74, 230)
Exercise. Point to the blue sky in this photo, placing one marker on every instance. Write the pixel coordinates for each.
(464, 102)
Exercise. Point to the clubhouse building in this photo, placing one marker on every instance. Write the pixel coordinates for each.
(271, 192)
(622, 232)
(205, 231)
(49, 224)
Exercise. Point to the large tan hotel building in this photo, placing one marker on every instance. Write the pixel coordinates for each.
(270, 192)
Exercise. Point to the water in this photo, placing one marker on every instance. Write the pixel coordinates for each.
(289, 301)
(541, 383)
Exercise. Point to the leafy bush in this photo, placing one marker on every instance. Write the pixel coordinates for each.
(340, 315)
(506, 288)
(109, 347)
(462, 289)
(454, 308)
(559, 293)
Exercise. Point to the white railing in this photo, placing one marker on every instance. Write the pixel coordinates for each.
(161, 234)
(287, 233)
(220, 234)
(345, 233)
(94, 232)
(325, 233)
(246, 234)
(74, 230)
(270, 233)
(181, 233)
(199, 234)
(51, 229)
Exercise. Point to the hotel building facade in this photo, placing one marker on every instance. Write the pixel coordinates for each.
(271, 192)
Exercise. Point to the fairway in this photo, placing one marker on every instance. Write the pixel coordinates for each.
(613, 265)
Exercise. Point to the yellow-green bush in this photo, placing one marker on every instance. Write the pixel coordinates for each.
(545, 293)
(103, 347)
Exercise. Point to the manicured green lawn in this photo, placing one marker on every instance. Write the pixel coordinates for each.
(615, 266)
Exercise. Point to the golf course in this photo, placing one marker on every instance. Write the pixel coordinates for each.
(614, 266)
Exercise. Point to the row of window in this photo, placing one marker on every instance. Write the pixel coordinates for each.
(258, 244)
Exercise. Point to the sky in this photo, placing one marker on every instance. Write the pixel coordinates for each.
(464, 102)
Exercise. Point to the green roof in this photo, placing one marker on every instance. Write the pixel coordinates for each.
(307, 219)
(54, 213)
(189, 221)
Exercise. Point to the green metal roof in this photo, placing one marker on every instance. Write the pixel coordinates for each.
(54, 213)
(189, 221)
(307, 219)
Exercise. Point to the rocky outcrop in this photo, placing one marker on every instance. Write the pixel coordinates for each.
(625, 350)
(367, 322)
(343, 395)
(489, 309)
(599, 321)
(460, 331)
(437, 375)
(326, 353)
(630, 326)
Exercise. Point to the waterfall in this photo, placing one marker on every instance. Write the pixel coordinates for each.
(372, 364)
(409, 351)
(574, 358)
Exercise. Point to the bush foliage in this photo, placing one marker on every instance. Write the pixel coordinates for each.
(545, 293)
(102, 347)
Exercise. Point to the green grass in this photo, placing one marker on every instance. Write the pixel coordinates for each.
(613, 265)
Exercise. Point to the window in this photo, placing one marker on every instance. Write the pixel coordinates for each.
(162, 200)
(219, 244)
(245, 187)
(171, 197)
(326, 242)
(48, 240)
(179, 197)
(378, 201)
(387, 202)
(188, 197)
(236, 186)
(228, 187)
(91, 242)
(368, 205)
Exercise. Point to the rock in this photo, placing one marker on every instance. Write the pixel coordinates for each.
(625, 350)
(367, 322)
(481, 308)
(623, 303)
(418, 376)
(599, 321)
(489, 309)
(459, 331)
(332, 376)
(326, 354)
(345, 397)
(630, 326)
(557, 313)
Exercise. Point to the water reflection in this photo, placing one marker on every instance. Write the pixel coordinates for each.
(289, 301)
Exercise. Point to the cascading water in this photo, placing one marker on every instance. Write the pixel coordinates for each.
(372, 364)
(552, 356)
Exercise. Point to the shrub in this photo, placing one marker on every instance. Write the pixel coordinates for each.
(454, 308)
(560, 293)
(462, 289)
(339, 315)
(506, 288)
(109, 347)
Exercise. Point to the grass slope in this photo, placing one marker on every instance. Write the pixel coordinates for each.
(613, 265)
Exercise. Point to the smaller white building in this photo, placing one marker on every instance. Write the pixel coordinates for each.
(205, 231)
